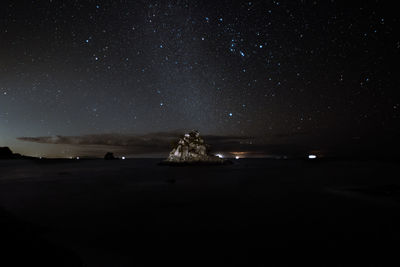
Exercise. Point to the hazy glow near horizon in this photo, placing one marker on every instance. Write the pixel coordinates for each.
(130, 77)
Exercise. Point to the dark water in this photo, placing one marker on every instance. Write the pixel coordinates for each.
(253, 213)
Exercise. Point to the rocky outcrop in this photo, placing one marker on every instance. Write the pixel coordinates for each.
(109, 156)
(191, 149)
(6, 153)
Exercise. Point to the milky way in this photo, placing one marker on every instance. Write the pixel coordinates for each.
(259, 69)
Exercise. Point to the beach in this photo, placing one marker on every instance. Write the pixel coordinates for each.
(255, 212)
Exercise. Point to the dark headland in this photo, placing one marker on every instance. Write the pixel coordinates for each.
(6, 153)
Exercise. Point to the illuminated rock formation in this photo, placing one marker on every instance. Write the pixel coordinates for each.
(192, 149)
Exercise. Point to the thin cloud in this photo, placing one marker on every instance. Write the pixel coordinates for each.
(152, 143)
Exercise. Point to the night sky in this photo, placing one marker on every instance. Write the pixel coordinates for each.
(267, 75)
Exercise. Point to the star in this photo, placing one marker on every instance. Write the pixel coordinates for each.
(181, 64)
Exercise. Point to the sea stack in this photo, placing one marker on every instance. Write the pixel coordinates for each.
(191, 149)
(109, 156)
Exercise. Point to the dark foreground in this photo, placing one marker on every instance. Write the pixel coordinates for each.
(251, 213)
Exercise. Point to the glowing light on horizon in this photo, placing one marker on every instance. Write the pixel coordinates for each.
(239, 154)
(312, 156)
(123, 157)
(219, 156)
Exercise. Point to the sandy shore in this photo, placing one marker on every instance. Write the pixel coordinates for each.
(252, 213)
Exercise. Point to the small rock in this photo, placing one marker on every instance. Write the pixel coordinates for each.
(109, 156)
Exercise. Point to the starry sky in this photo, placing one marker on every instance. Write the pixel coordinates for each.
(263, 74)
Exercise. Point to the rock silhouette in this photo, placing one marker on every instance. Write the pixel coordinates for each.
(109, 156)
(6, 153)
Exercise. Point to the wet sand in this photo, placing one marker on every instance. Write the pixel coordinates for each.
(256, 212)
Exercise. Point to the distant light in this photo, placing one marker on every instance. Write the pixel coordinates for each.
(237, 157)
(77, 157)
(312, 156)
(123, 157)
(219, 156)
(230, 114)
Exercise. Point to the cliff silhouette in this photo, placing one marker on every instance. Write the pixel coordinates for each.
(6, 153)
